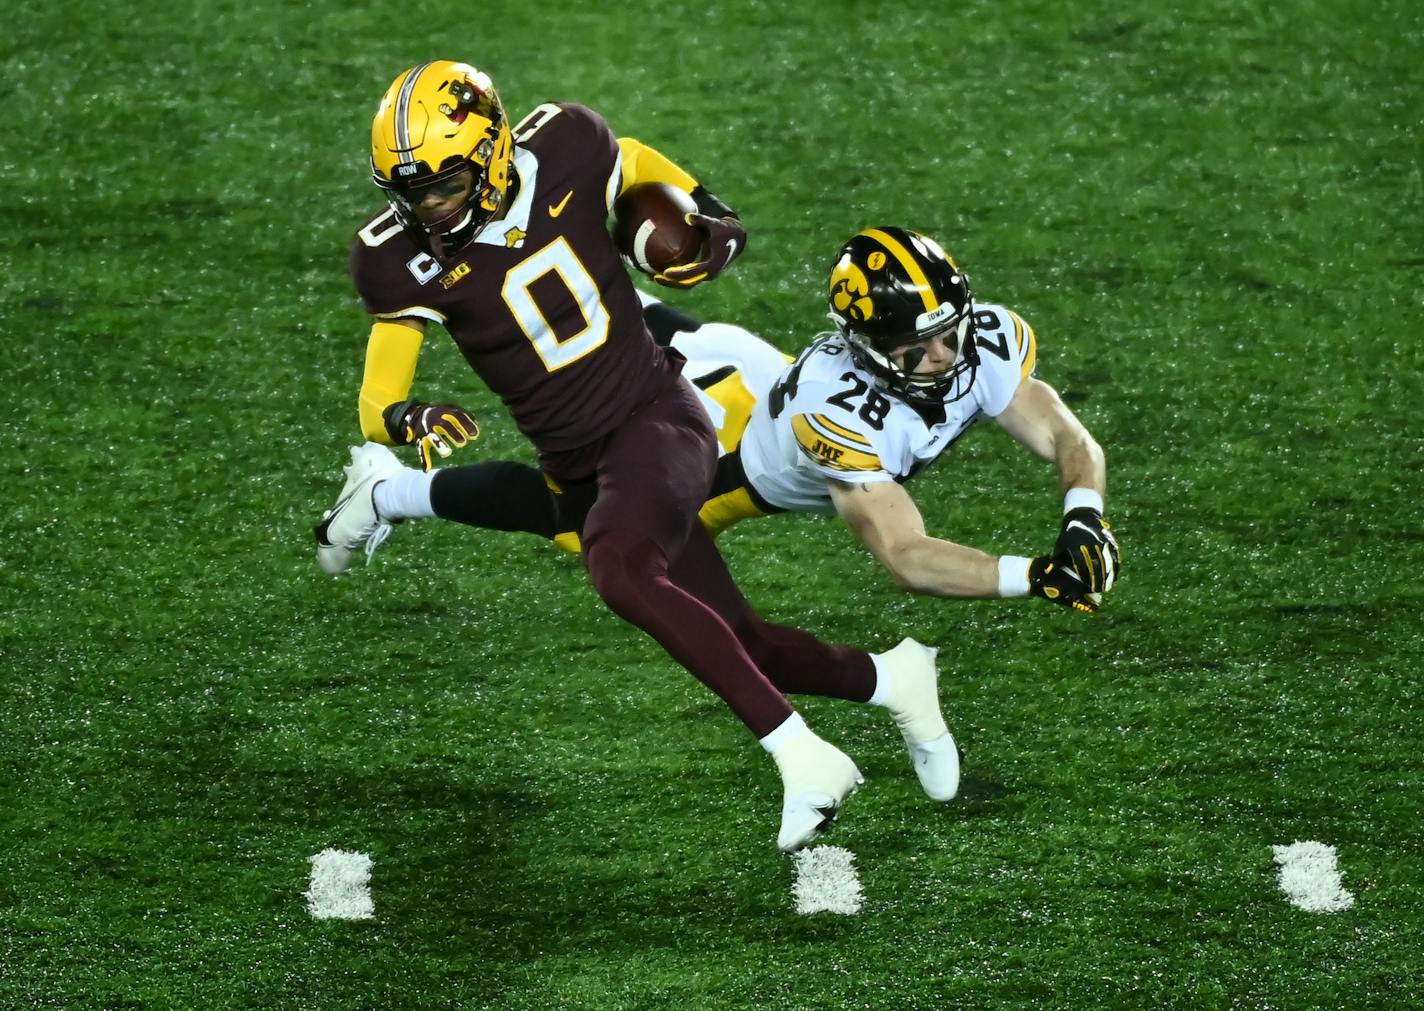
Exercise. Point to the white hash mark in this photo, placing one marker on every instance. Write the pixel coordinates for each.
(1310, 877)
(340, 886)
(826, 881)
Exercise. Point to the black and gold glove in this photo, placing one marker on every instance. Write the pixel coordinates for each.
(1052, 577)
(1086, 538)
(433, 429)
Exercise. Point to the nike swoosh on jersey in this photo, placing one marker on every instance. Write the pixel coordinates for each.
(556, 209)
(731, 250)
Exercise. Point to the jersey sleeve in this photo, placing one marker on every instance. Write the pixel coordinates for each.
(837, 450)
(1007, 356)
(391, 355)
(381, 267)
(1025, 346)
(644, 164)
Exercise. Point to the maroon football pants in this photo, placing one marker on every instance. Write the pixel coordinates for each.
(654, 564)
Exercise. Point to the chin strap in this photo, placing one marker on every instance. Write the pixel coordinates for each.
(441, 248)
(437, 244)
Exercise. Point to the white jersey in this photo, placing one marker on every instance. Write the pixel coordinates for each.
(826, 418)
(731, 369)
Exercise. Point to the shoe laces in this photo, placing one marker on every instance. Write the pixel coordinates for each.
(377, 538)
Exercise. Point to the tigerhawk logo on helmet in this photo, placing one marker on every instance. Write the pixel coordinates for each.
(891, 288)
(440, 138)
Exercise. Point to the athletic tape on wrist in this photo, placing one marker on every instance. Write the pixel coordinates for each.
(1013, 576)
(1079, 498)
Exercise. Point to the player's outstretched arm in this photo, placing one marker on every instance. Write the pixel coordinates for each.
(886, 519)
(1038, 419)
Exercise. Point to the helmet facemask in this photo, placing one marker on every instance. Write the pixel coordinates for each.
(955, 329)
(457, 227)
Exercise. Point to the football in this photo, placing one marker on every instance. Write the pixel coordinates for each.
(650, 227)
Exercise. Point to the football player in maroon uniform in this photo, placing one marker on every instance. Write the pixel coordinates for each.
(499, 234)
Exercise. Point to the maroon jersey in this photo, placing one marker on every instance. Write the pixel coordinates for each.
(540, 303)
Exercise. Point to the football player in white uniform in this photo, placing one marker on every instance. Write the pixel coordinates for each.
(913, 363)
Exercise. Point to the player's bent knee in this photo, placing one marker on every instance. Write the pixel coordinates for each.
(625, 570)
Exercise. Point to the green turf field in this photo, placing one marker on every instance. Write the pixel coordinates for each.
(1213, 214)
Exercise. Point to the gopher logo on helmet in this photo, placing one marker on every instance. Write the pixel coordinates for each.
(850, 291)
(471, 94)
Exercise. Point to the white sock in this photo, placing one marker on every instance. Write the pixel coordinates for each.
(405, 495)
(881, 695)
(791, 728)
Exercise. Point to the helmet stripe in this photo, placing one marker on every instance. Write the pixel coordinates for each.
(402, 116)
(907, 260)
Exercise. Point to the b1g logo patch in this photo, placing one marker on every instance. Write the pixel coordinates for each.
(448, 281)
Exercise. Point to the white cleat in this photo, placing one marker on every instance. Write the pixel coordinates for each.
(816, 779)
(937, 764)
(353, 523)
(914, 703)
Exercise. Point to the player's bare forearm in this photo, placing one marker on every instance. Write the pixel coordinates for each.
(885, 518)
(1039, 419)
(939, 568)
(1081, 463)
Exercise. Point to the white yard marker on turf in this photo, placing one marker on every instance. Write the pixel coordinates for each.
(1310, 877)
(340, 886)
(826, 881)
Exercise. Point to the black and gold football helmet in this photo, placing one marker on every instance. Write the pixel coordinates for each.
(441, 129)
(891, 288)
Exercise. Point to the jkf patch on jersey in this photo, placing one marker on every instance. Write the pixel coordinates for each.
(831, 444)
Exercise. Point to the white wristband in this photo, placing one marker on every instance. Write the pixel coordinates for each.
(1013, 576)
(1077, 498)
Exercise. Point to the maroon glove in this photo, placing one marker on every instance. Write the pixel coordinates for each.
(726, 238)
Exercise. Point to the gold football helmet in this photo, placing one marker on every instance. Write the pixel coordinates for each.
(442, 152)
